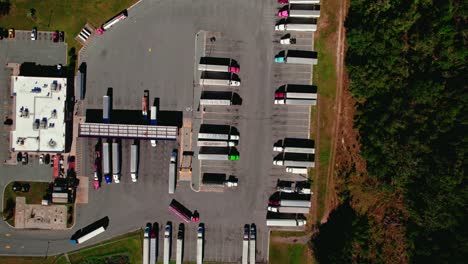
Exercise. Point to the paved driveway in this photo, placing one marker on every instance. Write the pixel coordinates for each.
(154, 49)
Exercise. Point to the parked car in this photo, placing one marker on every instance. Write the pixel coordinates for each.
(34, 34)
(16, 187)
(11, 33)
(25, 158)
(61, 36)
(55, 36)
(19, 157)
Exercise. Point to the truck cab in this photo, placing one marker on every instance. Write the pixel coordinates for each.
(246, 232)
(167, 230)
(200, 231)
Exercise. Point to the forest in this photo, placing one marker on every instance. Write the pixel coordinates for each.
(407, 69)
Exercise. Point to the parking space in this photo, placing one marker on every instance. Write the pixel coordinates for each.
(290, 120)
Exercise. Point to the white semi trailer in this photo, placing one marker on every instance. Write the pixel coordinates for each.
(253, 233)
(200, 244)
(134, 162)
(167, 243)
(116, 161)
(146, 244)
(286, 222)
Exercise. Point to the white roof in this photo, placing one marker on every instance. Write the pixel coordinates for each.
(43, 127)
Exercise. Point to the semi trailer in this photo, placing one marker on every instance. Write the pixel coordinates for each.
(217, 153)
(146, 244)
(287, 26)
(200, 232)
(253, 233)
(217, 132)
(289, 209)
(106, 162)
(106, 108)
(180, 241)
(167, 243)
(219, 78)
(245, 245)
(116, 161)
(297, 57)
(304, 11)
(296, 145)
(153, 244)
(172, 172)
(216, 98)
(296, 91)
(295, 160)
(215, 143)
(207, 64)
(286, 222)
(298, 1)
(285, 101)
(134, 162)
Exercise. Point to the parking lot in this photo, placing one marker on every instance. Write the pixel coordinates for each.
(154, 49)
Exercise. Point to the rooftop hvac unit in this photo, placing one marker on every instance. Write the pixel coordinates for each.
(52, 143)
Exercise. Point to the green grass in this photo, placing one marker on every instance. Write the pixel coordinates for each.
(129, 244)
(326, 79)
(69, 16)
(34, 196)
(288, 253)
(62, 260)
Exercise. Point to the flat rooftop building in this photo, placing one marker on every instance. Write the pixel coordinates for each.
(39, 114)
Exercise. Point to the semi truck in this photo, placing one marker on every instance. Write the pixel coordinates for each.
(284, 25)
(146, 244)
(167, 243)
(219, 78)
(180, 241)
(106, 108)
(245, 245)
(295, 145)
(295, 203)
(106, 162)
(286, 222)
(285, 101)
(200, 232)
(296, 170)
(144, 103)
(182, 212)
(298, 1)
(206, 64)
(217, 132)
(218, 180)
(116, 161)
(215, 143)
(295, 160)
(300, 11)
(296, 91)
(153, 116)
(289, 209)
(172, 172)
(253, 233)
(297, 57)
(134, 162)
(216, 98)
(217, 153)
(153, 244)
(91, 231)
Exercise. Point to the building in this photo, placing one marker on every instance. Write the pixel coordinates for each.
(39, 114)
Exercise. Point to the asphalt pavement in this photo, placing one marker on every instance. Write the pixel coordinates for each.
(154, 49)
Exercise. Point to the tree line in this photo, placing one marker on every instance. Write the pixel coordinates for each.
(407, 67)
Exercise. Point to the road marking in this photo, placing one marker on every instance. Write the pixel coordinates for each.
(149, 50)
